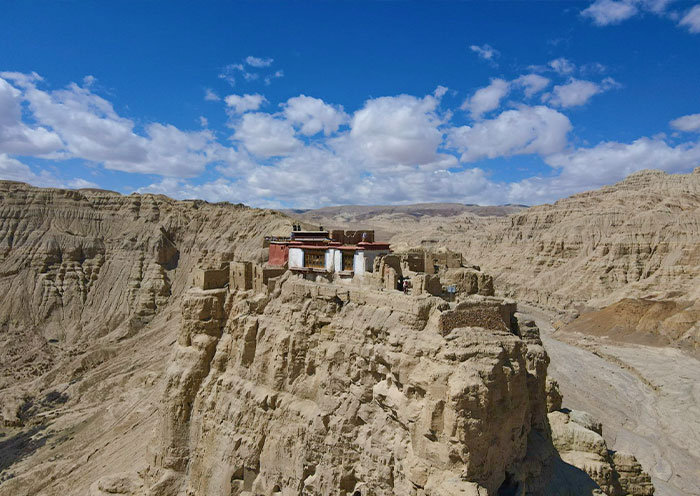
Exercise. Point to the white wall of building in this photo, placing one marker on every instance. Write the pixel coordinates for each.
(338, 260)
(296, 257)
(358, 262)
(330, 260)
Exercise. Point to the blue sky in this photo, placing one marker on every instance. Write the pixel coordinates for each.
(301, 104)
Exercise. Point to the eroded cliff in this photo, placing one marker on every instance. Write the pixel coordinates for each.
(317, 389)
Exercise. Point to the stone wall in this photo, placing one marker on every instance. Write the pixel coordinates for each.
(211, 278)
(262, 275)
(241, 276)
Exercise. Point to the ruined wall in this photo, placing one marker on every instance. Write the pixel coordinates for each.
(211, 278)
(241, 275)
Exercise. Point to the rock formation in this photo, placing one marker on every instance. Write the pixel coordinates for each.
(639, 238)
(318, 389)
(121, 379)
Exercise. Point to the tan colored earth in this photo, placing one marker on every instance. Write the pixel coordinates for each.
(118, 377)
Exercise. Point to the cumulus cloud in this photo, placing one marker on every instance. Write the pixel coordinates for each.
(691, 20)
(584, 169)
(485, 51)
(487, 98)
(525, 130)
(251, 69)
(611, 12)
(577, 92)
(275, 75)
(687, 123)
(308, 152)
(294, 180)
(13, 170)
(401, 129)
(77, 123)
(17, 137)
(613, 160)
(266, 136)
(313, 115)
(607, 12)
(532, 84)
(240, 104)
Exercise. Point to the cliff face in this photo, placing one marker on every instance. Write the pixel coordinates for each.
(318, 390)
(91, 285)
(67, 257)
(635, 238)
(316, 395)
(639, 238)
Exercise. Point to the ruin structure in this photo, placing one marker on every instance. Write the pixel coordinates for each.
(351, 258)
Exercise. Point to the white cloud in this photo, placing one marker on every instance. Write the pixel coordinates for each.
(486, 99)
(577, 92)
(241, 104)
(611, 12)
(266, 136)
(89, 81)
(525, 130)
(687, 123)
(312, 177)
(485, 51)
(611, 161)
(585, 169)
(314, 115)
(440, 91)
(396, 149)
(13, 170)
(691, 20)
(15, 136)
(532, 84)
(562, 66)
(210, 95)
(574, 93)
(90, 129)
(401, 130)
(228, 73)
(607, 12)
(258, 61)
(259, 68)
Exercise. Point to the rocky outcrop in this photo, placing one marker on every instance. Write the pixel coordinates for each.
(637, 237)
(579, 442)
(318, 389)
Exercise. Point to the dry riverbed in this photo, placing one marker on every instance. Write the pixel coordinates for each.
(648, 399)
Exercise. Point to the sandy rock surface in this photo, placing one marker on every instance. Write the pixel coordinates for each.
(646, 398)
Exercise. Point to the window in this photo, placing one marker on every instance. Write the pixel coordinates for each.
(347, 260)
(315, 259)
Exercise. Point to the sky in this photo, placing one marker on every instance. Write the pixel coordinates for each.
(309, 104)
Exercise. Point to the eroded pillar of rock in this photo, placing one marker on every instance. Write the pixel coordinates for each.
(203, 318)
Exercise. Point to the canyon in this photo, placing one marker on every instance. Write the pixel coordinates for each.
(119, 376)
